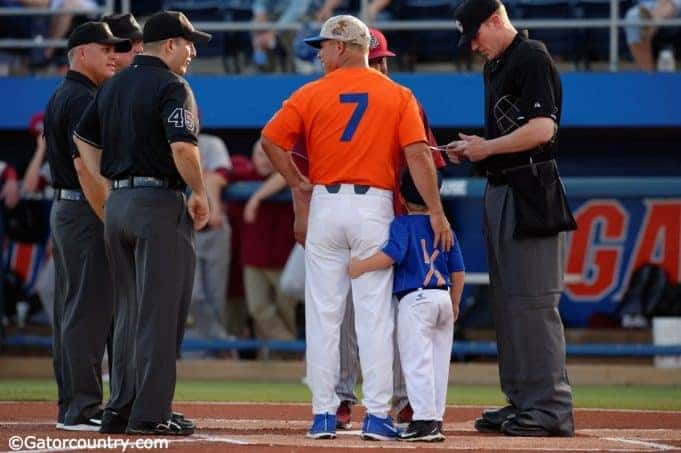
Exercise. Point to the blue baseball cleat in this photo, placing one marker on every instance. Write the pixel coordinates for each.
(323, 427)
(376, 428)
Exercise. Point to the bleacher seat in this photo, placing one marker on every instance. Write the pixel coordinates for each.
(424, 45)
(203, 11)
(238, 45)
(144, 7)
(560, 42)
(344, 7)
(594, 43)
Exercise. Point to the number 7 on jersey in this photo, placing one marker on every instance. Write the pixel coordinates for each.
(362, 100)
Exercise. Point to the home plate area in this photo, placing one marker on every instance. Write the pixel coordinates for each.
(282, 427)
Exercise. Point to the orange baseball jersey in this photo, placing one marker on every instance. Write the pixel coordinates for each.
(354, 123)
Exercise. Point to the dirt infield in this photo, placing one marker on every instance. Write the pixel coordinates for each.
(236, 427)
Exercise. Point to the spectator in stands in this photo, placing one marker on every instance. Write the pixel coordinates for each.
(37, 173)
(267, 239)
(125, 26)
(9, 194)
(270, 46)
(378, 10)
(327, 8)
(61, 24)
(18, 27)
(640, 39)
(212, 245)
(36, 179)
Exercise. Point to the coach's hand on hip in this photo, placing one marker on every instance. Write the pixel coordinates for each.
(198, 209)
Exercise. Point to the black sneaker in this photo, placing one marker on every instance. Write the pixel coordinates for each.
(423, 431)
(85, 423)
(178, 417)
(113, 422)
(169, 428)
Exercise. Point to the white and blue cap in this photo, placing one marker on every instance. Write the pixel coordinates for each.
(344, 28)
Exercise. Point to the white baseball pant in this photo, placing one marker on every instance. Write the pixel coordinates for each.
(340, 226)
(425, 329)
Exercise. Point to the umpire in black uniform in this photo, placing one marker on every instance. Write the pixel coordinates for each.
(140, 133)
(525, 214)
(83, 302)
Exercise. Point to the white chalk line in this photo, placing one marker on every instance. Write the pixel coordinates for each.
(283, 403)
(655, 445)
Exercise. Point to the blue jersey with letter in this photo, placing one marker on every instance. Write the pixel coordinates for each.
(417, 263)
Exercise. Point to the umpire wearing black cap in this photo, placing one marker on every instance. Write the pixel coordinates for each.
(140, 133)
(525, 253)
(125, 26)
(83, 304)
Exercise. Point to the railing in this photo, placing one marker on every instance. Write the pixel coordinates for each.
(460, 349)
(613, 23)
(40, 41)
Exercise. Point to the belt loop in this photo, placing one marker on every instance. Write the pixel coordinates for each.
(360, 189)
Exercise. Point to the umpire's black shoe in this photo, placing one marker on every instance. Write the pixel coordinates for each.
(169, 428)
(520, 427)
(423, 431)
(113, 422)
(178, 417)
(491, 419)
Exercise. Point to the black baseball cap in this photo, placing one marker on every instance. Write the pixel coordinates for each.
(124, 26)
(470, 14)
(97, 32)
(172, 24)
(410, 192)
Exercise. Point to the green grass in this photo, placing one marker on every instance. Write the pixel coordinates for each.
(615, 397)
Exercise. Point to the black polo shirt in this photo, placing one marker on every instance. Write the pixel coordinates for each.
(136, 116)
(521, 84)
(64, 110)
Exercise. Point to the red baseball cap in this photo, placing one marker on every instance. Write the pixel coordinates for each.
(378, 45)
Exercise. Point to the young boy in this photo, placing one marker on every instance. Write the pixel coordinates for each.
(428, 283)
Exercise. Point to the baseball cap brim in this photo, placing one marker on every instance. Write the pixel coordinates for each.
(315, 41)
(133, 36)
(198, 36)
(120, 44)
(381, 54)
(466, 38)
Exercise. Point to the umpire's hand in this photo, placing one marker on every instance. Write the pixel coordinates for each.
(198, 210)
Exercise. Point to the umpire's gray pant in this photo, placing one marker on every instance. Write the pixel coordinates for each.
(83, 308)
(526, 281)
(150, 242)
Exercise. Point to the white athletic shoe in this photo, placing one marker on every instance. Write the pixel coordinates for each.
(91, 424)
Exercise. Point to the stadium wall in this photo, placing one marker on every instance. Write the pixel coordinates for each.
(623, 124)
(451, 100)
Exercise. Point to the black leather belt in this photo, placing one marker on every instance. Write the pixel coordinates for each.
(402, 294)
(360, 189)
(499, 177)
(147, 181)
(70, 195)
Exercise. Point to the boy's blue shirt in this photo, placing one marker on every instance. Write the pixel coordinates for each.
(417, 263)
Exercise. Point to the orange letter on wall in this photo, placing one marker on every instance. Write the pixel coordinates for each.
(596, 258)
(659, 239)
